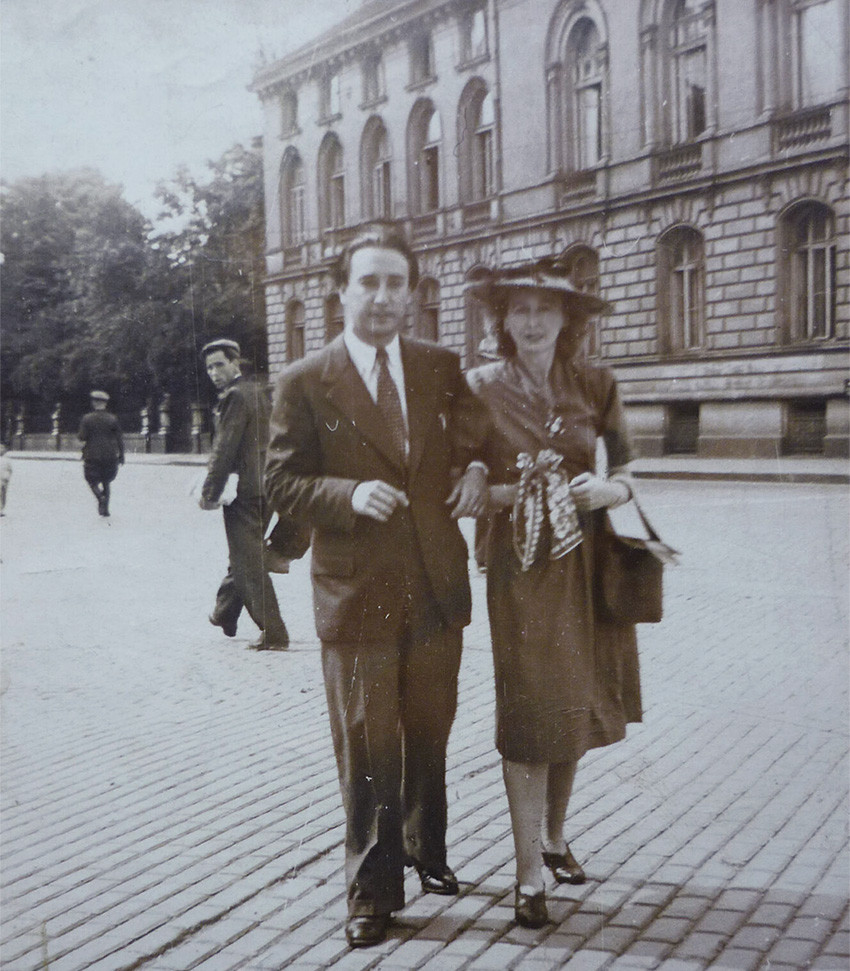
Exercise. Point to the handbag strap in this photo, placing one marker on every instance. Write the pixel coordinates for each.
(664, 552)
(647, 525)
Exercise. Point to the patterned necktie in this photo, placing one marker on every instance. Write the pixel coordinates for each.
(389, 403)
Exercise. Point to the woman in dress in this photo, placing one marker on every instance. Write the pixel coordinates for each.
(566, 682)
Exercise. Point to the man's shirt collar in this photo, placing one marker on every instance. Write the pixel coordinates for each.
(363, 354)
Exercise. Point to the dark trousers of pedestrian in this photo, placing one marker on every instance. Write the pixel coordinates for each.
(99, 474)
(391, 707)
(247, 582)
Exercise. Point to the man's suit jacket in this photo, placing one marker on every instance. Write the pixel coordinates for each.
(327, 435)
(239, 443)
(101, 436)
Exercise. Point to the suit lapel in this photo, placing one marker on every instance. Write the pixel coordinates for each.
(349, 395)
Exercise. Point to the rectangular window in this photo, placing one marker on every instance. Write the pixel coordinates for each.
(296, 214)
(381, 190)
(690, 95)
(818, 53)
(474, 37)
(430, 176)
(484, 183)
(337, 201)
(816, 288)
(421, 63)
(373, 80)
(331, 96)
(685, 291)
(589, 127)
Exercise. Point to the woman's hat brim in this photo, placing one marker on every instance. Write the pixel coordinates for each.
(491, 286)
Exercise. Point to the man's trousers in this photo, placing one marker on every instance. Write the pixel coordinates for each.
(391, 707)
(247, 581)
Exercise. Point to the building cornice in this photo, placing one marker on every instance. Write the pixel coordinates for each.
(346, 43)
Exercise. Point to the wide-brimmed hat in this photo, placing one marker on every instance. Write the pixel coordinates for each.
(492, 286)
(222, 344)
(99, 396)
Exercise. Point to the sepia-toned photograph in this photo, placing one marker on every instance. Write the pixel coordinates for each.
(424, 485)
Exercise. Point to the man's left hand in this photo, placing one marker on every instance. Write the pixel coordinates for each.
(208, 503)
(469, 496)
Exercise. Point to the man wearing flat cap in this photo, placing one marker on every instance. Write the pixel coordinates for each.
(239, 446)
(103, 449)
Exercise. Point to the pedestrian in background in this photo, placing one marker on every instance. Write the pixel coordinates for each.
(365, 436)
(5, 476)
(239, 448)
(103, 449)
(566, 682)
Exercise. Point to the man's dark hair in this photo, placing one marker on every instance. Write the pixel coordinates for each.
(383, 236)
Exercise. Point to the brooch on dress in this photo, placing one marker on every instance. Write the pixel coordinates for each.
(554, 425)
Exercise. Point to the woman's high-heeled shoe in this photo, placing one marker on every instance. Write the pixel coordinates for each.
(530, 909)
(565, 867)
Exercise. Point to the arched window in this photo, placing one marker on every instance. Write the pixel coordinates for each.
(681, 286)
(577, 86)
(334, 319)
(582, 265)
(292, 216)
(295, 344)
(476, 123)
(425, 135)
(331, 183)
(376, 171)
(587, 67)
(807, 272)
(427, 325)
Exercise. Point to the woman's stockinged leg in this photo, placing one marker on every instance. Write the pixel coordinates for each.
(526, 785)
(559, 787)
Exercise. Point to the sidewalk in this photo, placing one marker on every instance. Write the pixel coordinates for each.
(170, 800)
(790, 468)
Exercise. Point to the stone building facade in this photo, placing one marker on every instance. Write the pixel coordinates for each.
(688, 158)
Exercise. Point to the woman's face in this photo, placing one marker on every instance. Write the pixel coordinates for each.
(534, 319)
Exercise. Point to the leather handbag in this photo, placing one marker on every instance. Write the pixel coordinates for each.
(629, 574)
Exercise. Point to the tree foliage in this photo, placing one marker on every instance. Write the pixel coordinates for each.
(93, 297)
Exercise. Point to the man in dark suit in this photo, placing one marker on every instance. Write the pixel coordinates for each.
(103, 449)
(239, 446)
(373, 443)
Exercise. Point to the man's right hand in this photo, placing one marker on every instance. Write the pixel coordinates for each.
(377, 499)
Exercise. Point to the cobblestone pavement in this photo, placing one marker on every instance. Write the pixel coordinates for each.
(170, 800)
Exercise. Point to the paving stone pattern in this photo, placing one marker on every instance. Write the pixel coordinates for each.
(170, 801)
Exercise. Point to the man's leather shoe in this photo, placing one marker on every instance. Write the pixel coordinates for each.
(270, 642)
(565, 867)
(439, 880)
(229, 628)
(364, 931)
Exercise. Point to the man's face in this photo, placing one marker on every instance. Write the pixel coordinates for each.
(375, 299)
(221, 369)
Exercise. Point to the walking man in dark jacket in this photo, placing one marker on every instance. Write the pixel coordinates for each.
(103, 449)
(239, 446)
